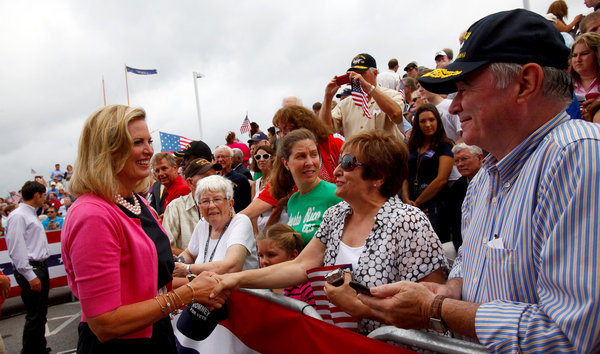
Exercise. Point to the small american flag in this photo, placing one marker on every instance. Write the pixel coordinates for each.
(401, 90)
(245, 125)
(360, 97)
(33, 172)
(172, 142)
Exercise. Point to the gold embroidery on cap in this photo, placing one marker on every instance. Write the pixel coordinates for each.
(442, 73)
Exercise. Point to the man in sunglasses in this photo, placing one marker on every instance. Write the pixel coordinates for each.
(526, 276)
(384, 105)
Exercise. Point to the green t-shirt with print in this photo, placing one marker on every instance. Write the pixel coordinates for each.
(306, 210)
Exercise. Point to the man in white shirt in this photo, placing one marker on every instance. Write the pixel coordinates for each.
(28, 250)
(390, 79)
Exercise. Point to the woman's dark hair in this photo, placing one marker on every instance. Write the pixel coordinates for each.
(282, 182)
(267, 148)
(302, 117)
(230, 139)
(417, 137)
(383, 156)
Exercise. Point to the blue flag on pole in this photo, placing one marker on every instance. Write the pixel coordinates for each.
(141, 71)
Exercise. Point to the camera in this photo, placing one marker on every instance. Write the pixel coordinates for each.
(179, 259)
(335, 277)
(342, 80)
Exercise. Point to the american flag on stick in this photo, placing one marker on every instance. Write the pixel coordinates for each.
(245, 128)
(360, 97)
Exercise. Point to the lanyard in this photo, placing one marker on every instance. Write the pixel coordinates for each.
(218, 240)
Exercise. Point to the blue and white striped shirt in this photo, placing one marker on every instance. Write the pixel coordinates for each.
(539, 289)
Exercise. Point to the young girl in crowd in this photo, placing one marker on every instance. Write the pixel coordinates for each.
(279, 243)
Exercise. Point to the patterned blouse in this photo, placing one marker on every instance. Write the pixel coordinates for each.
(401, 246)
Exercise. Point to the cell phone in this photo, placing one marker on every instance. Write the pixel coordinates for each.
(335, 277)
(342, 80)
(592, 96)
(361, 289)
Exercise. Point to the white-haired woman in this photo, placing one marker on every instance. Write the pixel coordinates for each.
(116, 255)
(223, 242)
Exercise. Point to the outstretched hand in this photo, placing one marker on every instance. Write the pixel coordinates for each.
(226, 283)
(403, 304)
(203, 286)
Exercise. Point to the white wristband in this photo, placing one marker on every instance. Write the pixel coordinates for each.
(371, 89)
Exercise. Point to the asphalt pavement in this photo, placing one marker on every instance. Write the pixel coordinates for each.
(63, 317)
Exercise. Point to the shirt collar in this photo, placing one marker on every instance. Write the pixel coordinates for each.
(509, 167)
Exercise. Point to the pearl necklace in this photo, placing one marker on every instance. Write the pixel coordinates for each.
(135, 208)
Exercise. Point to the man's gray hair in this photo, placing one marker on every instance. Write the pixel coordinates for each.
(297, 98)
(238, 153)
(556, 84)
(473, 149)
(215, 184)
(226, 148)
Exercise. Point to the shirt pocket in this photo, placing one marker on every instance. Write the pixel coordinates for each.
(501, 273)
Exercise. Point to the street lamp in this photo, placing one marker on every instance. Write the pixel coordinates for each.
(197, 76)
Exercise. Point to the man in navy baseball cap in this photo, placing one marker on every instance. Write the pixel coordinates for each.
(526, 275)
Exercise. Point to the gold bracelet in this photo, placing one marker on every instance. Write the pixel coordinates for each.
(193, 293)
(179, 297)
(167, 299)
(175, 309)
(162, 308)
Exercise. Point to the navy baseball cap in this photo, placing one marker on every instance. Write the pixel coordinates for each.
(362, 61)
(517, 36)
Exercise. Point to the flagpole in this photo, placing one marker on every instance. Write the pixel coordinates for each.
(126, 85)
(103, 91)
(197, 76)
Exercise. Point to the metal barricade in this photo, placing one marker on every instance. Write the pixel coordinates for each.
(294, 304)
(427, 341)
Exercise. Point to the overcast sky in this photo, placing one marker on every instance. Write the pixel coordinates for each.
(251, 53)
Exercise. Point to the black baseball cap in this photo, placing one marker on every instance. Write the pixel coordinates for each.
(517, 36)
(345, 92)
(200, 166)
(411, 65)
(196, 148)
(362, 62)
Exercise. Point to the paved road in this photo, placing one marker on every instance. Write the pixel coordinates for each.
(61, 329)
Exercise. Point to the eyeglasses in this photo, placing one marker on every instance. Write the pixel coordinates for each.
(348, 162)
(258, 157)
(216, 201)
(285, 131)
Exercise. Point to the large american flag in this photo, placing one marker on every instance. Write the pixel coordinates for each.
(245, 125)
(360, 97)
(172, 142)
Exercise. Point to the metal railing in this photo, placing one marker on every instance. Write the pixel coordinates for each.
(415, 338)
(294, 304)
(428, 341)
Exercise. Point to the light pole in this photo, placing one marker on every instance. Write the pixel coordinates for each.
(526, 4)
(197, 76)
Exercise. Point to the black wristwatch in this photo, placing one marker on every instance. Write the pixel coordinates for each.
(435, 315)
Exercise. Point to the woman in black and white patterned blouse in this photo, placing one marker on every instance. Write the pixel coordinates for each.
(384, 239)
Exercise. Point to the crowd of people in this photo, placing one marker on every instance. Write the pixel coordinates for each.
(456, 195)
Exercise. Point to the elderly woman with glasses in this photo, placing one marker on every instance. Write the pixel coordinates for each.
(222, 242)
(384, 239)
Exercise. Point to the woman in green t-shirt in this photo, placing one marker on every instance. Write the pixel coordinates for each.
(297, 163)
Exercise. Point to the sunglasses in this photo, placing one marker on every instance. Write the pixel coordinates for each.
(258, 157)
(348, 162)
